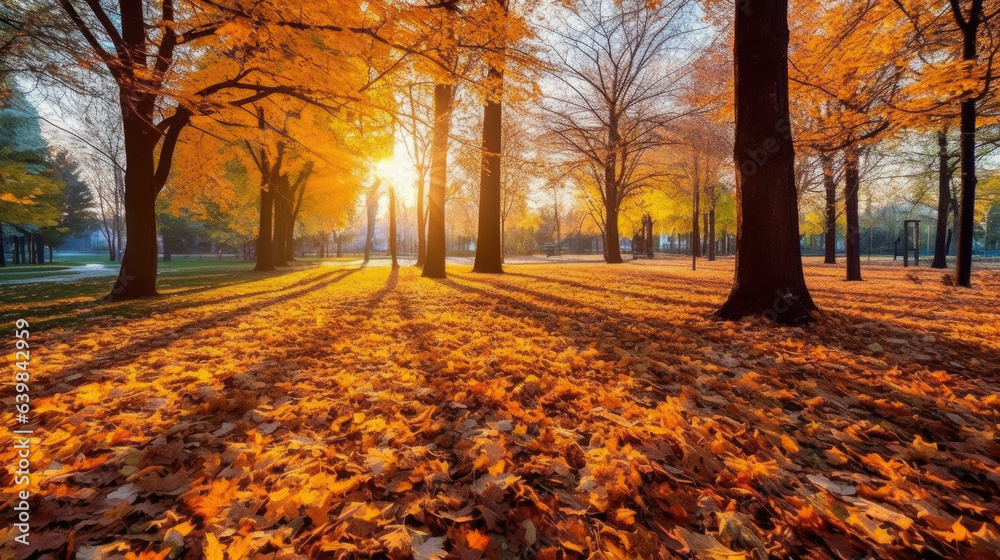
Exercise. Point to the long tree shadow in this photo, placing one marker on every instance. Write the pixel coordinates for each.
(117, 357)
(74, 313)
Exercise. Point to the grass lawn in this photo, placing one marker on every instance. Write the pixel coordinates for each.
(557, 411)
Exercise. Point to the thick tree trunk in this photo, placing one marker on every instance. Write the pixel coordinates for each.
(434, 266)
(852, 241)
(830, 186)
(340, 246)
(489, 258)
(50, 254)
(16, 245)
(265, 260)
(137, 276)
(967, 201)
(944, 198)
(393, 249)
(768, 278)
(281, 210)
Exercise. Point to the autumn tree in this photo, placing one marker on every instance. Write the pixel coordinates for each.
(620, 74)
(768, 278)
(156, 55)
(416, 122)
(848, 71)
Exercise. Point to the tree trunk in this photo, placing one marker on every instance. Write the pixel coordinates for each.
(944, 198)
(489, 259)
(137, 275)
(704, 234)
(852, 242)
(421, 221)
(50, 254)
(16, 246)
(340, 244)
(371, 211)
(3, 248)
(830, 185)
(695, 208)
(967, 203)
(434, 266)
(281, 209)
(711, 233)
(768, 278)
(265, 260)
(612, 241)
(393, 249)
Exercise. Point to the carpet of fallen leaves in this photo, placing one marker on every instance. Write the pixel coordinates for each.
(562, 411)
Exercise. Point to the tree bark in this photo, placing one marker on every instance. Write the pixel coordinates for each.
(612, 242)
(830, 186)
(265, 260)
(967, 202)
(852, 241)
(3, 248)
(421, 221)
(711, 233)
(489, 258)
(704, 234)
(371, 211)
(393, 250)
(281, 211)
(944, 198)
(768, 278)
(434, 266)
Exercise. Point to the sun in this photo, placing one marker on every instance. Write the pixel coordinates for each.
(399, 172)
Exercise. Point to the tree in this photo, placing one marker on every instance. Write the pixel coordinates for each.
(78, 214)
(434, 265)
(489, 244)
(371, 212)
(969, 22)
(957, 67)
(849, 70)
(417, 118)
(768, 278)
(31, 195)
(393, 249)
(617, 88)
(165, 60)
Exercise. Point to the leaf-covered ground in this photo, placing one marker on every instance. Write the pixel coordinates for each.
(563, 411)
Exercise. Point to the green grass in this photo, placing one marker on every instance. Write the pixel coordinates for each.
(70, 303)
